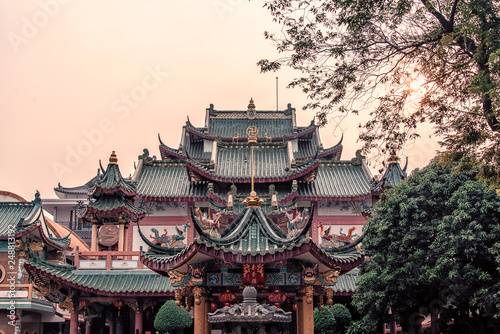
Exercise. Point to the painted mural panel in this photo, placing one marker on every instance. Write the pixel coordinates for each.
(166, 236)
(334, 236)
(343, 208)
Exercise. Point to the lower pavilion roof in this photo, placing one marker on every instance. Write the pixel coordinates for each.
(169, 181)
(342, 180)
(140, 282)
(251, 238)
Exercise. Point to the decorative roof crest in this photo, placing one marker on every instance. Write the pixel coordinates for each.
(113, 160)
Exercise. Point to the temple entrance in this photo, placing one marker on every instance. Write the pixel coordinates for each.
(251, 316)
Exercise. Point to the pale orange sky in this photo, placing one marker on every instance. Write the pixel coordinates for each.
(81, 78)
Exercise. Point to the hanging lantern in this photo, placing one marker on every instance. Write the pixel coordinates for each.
(294, 307)
(119, 304)
(83, 305)
(277, 298)
(227, 298)
(213, 307)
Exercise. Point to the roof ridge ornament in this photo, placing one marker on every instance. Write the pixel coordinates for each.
(393, 158)
(113, 160)
(251, 110)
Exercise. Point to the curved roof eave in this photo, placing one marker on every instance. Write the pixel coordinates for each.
(195, 166)
(195, 248)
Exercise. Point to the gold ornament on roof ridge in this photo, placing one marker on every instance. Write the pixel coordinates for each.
(252, 132)
(113, 159)
(251, 104)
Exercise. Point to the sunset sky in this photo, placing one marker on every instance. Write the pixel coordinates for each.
(81, 78)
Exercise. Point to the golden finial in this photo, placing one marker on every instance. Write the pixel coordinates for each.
(253, 200)
(251, 105)
(393, 158)
(113, 159)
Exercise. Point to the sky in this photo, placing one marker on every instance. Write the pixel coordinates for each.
(83, 78)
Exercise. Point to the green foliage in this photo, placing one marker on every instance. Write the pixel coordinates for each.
(362, 326)
(332, 319)
(433, 247)
(171, 317)
(407, 61)
(324, 321)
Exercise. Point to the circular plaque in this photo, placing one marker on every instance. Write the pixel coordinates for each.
(108, 235)
(2, 275)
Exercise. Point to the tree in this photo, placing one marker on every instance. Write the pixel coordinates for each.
(332, 319)
(434, 247)
(171, 317)
(402, 62)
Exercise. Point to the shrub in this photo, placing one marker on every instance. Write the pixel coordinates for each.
(171, 317)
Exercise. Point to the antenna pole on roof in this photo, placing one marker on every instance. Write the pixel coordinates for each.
(276, 93)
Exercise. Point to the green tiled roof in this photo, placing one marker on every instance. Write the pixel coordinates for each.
(19, 216)
(231, 127)
(337, 180)
(25, 217)
(103, 282)
(307, 148)
(11, 213)
(79, 190)
(112, 182)
(346, 283)
(195, 149)
(111, 205)
(235, 162)
(393, 175)
(168, 181)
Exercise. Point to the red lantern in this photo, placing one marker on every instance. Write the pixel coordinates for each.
(83, 303)
(227, 298)
(119, 304)
(294, 307)
(277, 298)
(213, 307)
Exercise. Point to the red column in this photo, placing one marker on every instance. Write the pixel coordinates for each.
(138, 319)
(87, 327)
(112, 323)
(73, 323)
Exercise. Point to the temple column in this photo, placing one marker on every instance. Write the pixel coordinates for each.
(93, 245)
(112, 323)
(392, 323)
(118, 328)
(199, 311)
(73, 320)
(121, 236)
(208, 327)
(88, 327)
(299, 313)
(308, 311)
(138, 318)
(125, 241)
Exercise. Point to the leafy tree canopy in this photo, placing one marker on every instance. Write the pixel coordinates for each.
(434, 249)
(171, 317)
(403, 62)
(332, 319)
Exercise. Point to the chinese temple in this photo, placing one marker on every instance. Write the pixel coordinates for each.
(27, 234)
(249, 224)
